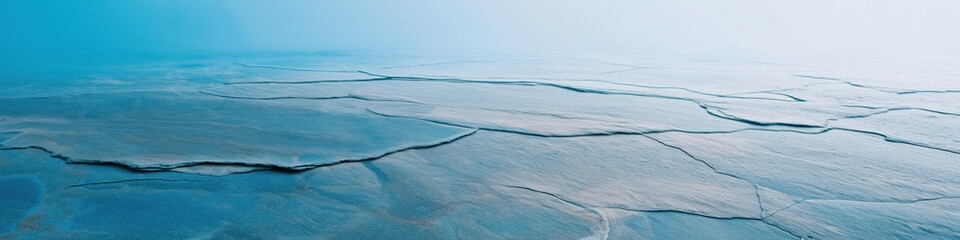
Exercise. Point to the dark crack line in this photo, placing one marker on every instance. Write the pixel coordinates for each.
(862, 106)
(796, 99)
(682, 212)
(639, 67)
(889, 109)
(895, 140)
(714, 169)
(927, 91)
(381, 77)
(632, 68)
(293, 69)
(818, 84)
(702, 105)
(852, 84)
(733, 96)
(605, 221)
(604, 227)
(118, 182)
(719, 113)
(781, 209)
(708, 109)
(723, 115)
(762, 220)
(307, 70)
(776, 92)
(87, 94)
(307, 82)
(69, 160)
(593, 134)
(351, 96)
(364, 98)
(278, 98)
(820, 130)
(824, 131)
(629, 67)
(920, 200)
(310, 166)
(875, 88)
(783, 229)
(756, 190)
(817, 77)
(439, 64)
(262, 167)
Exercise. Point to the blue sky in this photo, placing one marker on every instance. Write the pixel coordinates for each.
(64, 28)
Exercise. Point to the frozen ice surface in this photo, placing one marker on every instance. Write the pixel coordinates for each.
(164, 131)
(304, 147)
(831, 165)
(544, 108)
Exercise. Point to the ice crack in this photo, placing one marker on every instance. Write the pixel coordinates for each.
(602, 230)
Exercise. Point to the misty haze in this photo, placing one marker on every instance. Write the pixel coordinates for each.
(431, 119)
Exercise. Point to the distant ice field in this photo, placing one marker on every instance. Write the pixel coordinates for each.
(352, 147)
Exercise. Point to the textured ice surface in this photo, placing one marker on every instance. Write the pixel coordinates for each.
(308, 147)
(548, 109)
(164, 130)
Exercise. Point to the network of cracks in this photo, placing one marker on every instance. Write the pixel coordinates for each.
(346, 147)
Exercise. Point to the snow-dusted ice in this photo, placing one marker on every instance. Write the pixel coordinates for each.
(335, 147)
